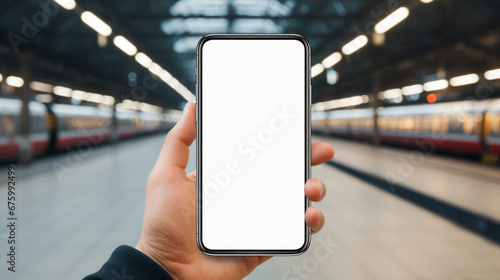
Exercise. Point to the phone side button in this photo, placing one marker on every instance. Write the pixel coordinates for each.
(196, 115)
(310, 95)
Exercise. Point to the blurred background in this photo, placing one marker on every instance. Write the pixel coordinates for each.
(407, 92)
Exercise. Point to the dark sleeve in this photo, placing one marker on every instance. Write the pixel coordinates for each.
(127, 263)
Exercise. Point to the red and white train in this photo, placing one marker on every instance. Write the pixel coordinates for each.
(465, 127)
(56, 127)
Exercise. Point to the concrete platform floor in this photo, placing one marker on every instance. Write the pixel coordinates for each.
(70, 222)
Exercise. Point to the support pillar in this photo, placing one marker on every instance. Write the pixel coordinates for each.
(25, 149)
(375, 103)
(114, 124)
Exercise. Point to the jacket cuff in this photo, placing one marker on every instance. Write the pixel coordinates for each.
(127, 263)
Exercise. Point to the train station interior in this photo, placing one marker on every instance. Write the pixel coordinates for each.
(406, 91)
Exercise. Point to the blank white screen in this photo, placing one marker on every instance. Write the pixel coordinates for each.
(253, 144)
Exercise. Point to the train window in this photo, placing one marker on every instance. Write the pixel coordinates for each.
(393, 123)
(478, 119)
(426, 124)
(495, 124)
(382, 123)
(368, 123)
(9, 126)
(445, 124)
(417, 123)
(455, 126)
(468, 124)
(401, 123)
(436, 123)
(409, 123)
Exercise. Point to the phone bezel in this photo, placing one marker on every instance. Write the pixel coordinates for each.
(307, 108)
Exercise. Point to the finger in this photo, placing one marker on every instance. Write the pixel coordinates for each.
(175, 150)
(192, 176)
(315, 190)
(315, 219)
(321, 152)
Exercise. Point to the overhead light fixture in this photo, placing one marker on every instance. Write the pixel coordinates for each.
(155, 68)
(175, 84)
(492, 74)
(316, 70)
(62, 91)
(80, 95)
(331, 60)
(42, 87)
(96, 98)
(426, 1)
(96, 23)
(339, 103)
(391, 20)
(67, 4)
(123, 44)
(464, 80)
(1, 78)
(108, 100)
(392, 93)
(355, 45)
(165, 76)
(436, 85)
(14, 81)
(413, 89)
(143, 59)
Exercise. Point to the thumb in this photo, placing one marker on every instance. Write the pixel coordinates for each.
(175, 150)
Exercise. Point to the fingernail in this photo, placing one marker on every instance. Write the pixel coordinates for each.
(320, 189)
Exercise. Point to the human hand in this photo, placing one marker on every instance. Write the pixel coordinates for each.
(169, 227)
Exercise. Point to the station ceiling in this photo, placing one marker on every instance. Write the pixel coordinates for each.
(455, 36)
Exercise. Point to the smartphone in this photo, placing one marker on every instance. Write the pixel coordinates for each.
(253, 144)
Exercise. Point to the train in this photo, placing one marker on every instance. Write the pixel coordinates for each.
(58, 127)
(470, 127)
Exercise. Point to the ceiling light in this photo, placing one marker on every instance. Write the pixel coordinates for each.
(436, 85)
(155, 68)
(43, 87)
(355, 45)
(339, 103)
(492, 74)
(165, 76)
(123, 44)
(331, 60)
(464, 80)
(426, 1)
(413, 89)
(1, 77)
(96, 23)
(108, 100)
(14, 81)
(67, 4)
(316, 70)
(96, 98)
(62, 91)
(391, 20)
(80, 95)
(392, 93)
(143, 59)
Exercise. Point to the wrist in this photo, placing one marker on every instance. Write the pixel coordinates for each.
(171, 268)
